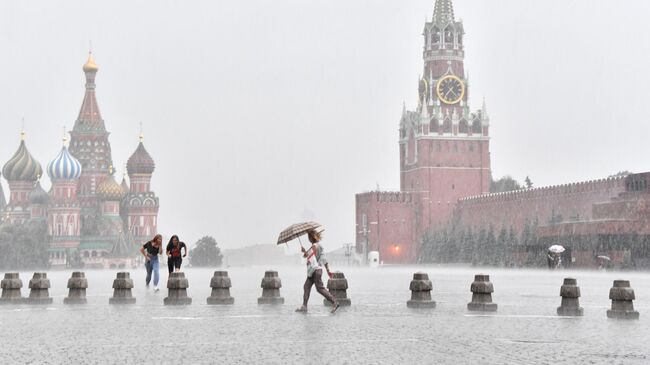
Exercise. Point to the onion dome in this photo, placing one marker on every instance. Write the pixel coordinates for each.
(22, 166)
(140, 161)
(64, 166)
(110, 190)
(38, 195)
(124, 184)
(90, 65)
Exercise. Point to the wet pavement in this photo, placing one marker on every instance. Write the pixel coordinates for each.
(377, 329)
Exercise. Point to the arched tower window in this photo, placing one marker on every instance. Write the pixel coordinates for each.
(446, 126)
(434, 125)
(476, 126)
(449, 35)
(435, 36)
(463, 126)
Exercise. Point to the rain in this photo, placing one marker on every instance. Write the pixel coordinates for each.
(432, 181)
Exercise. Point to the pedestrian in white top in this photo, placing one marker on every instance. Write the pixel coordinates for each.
(315, 262)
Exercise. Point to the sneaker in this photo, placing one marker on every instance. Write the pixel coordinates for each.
(302, 309)
(155, 288)
(335, 307)
(147, 286)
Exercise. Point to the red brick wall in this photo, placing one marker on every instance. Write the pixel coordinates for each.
(512, 209)
(389, 222)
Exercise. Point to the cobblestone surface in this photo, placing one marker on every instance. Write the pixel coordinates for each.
(376, 329)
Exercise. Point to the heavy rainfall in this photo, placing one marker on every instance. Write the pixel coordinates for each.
(323, 182)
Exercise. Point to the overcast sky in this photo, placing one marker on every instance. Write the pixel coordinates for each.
(262, 113)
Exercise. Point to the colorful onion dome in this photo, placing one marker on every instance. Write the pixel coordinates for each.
(64, 166)
(38, 195)
(22, 166)
(110, 190)
(140, 161)
(90, 65)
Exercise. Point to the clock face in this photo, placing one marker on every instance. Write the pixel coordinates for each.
(450, 89)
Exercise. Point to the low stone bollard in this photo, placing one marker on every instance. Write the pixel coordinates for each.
(77, 285)
(570, 293)
(338, 286)
(220, 285)
(39, 289)
(11, 285)
(421, 288)
(177, 285)
(271, 285)
(482, 290)
(122, 286)
(622, 296)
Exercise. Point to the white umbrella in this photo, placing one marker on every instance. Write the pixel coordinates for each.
(556, 249)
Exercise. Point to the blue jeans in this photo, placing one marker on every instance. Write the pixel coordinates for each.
(153, 265)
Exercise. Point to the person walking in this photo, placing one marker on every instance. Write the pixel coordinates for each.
(174, 258)
(315, 260)
(150, 251)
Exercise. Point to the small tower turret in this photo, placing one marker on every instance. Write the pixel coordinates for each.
(64, 211)
(141, 204)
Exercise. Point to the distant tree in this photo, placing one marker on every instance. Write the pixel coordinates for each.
(206, 253)
(620, 174)
(511, 246)
(506, 183)
(528, 182)
(490, 247)
(24, 246)
(478, 256)
(501, 247)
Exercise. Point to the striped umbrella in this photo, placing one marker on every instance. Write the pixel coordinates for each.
(296, 230)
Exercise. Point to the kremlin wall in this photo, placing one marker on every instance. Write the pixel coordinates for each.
(445, 178)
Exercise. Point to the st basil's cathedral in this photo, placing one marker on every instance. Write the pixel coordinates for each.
(90, 217)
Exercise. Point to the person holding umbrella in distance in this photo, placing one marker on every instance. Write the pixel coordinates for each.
(315, 261)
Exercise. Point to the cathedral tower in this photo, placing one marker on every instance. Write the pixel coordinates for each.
(89, 144)
(141, 204)
(22, 172)
(64, 211)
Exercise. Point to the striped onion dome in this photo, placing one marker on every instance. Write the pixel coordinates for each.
(110, 190)
(22, 166)
(64, 166)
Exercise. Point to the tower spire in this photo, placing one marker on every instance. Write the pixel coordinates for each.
(89, 119)
(443, 12)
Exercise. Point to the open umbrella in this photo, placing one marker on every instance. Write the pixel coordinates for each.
(603, 257)
(296, 230)
(556, 249)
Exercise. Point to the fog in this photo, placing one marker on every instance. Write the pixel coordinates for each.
(263, 113)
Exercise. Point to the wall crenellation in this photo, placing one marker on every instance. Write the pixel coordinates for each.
(553, 190)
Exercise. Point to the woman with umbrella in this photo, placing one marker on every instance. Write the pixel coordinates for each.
(315, 261)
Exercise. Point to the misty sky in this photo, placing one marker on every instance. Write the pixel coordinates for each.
(262, 113)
